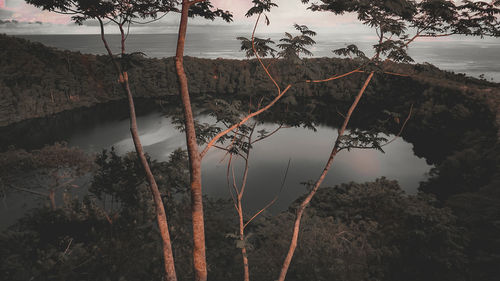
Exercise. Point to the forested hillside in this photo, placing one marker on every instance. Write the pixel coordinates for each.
(36, 80)
(454, 125)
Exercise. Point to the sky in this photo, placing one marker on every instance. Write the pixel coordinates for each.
(31, 20)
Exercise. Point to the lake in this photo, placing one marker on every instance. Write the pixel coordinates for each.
(307, 150)
(107, 126)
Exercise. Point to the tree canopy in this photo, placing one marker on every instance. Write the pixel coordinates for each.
(127, 12)
(399, 22)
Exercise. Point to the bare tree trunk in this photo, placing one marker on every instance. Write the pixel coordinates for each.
(246, 271)
(307, 200)
(244, 254)
(239, 191)
(160, 209)
(199, 256)
(161, 215)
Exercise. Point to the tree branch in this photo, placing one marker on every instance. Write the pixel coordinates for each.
(335, 77)
(268, 135)
(274, 199)
(305, 202)
(243, 121)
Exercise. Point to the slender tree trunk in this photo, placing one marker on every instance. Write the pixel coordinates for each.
(161, 215)
(244, 254)
(199, 256)
(301, 209)
(160, 209)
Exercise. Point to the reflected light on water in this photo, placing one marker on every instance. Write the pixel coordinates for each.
(307, 151)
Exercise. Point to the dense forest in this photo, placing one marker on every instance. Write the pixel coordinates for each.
(37, 81)
(369, 231)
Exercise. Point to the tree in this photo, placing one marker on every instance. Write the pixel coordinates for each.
(261, 45)
(293, 46)
(240, 146)
(204, 8)
(107, 234)
(54, 168)
(412, 233)
(199, 255)
(124, 13)
(390, 19)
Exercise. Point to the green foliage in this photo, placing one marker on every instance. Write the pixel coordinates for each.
(479, 18)
(204, 131)
(206, 10)
(123, 177)
(129, 61)
(412, 239)
(293, 46)
(349, 51)
(327, 249)
(44, 171)
(394, 20)
(463, 171)
(94, 239)
(97, 238)
(16, 162)
(394, 50)
(436, 16)
(120, 177)
(83, 10)
(261, 7)
(78, 243)
(363, 139)
(444, 129)
(370, 231)
(478, 212)
(261, 46)
(72, 80)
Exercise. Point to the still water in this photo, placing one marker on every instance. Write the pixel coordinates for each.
(307, 151)
(106, 126)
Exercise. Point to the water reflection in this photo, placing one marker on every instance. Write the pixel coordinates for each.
(308, 151)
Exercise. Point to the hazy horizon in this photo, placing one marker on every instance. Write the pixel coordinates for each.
(459, 54)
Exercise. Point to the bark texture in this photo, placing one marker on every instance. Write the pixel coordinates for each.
(160, 209)
(199, 253)
(303, 205)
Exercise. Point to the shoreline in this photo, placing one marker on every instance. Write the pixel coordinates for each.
(59, 81)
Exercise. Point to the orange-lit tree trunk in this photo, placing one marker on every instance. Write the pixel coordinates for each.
(303, 205)
(239, 209)
(195, 156)
(160, 209)
(199, 255)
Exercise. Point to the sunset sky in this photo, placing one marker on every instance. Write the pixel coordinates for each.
(288, 13)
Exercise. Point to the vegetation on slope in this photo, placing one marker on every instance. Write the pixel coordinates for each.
(453, 125)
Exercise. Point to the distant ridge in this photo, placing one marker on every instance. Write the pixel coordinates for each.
(37, 81)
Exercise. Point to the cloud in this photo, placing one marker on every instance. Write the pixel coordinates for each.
(21, 11)
(14, 27)
(286, 14)
(282, 18)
